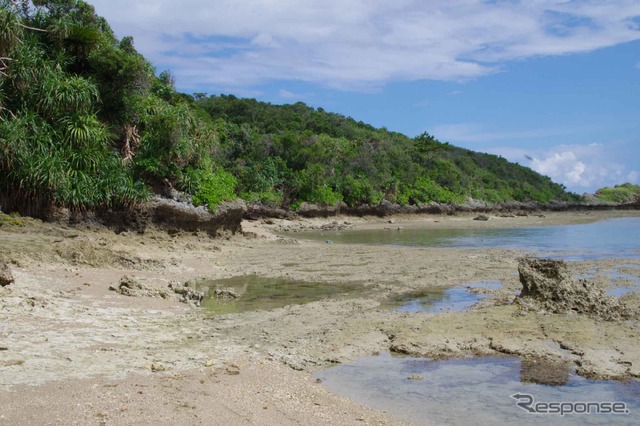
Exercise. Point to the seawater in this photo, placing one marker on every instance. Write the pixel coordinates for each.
(480, 390)
(613, 238)
(471, 391)
(436, 301)
(265, 293)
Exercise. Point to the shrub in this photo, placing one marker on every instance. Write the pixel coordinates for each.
(212, 187)
(270, 198)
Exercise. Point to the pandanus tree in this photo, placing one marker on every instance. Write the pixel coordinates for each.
(55, 150)
(84, 121)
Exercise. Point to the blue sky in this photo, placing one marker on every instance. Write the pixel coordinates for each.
(551, 84)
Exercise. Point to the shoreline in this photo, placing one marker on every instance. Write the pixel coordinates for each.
(63, 329)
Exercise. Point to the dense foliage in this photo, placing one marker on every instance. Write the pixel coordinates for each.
(625, 193)
(56, 150)
(86, 123)
(294, 152)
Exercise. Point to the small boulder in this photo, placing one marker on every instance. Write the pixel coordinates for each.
(225, 294)
(481, 217)
(129, 286)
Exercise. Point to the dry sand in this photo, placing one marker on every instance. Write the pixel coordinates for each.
(73, 352)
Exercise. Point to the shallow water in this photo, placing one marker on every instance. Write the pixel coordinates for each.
(440, 300)
(262, 293)
(614, 238)
(471, 391)
(622, 282)
(631, 282)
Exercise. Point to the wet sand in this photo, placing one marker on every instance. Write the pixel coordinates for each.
(74, 352)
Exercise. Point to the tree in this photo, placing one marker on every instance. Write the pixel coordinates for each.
(55, 149)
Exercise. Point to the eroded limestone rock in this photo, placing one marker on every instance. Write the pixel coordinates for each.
(129, 286)
(225, 294)
(548, 286)
(186, 293)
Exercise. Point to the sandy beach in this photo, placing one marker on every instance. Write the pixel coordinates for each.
(74, 352)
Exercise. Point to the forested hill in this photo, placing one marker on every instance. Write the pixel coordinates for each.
(313, 155)
(87, 123)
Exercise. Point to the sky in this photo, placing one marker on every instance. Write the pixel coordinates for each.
(551, 84)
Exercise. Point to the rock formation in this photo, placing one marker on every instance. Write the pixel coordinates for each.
(548, 286)
(129, 286)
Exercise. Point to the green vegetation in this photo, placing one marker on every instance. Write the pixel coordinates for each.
(297, 153)
(625, 193)
(85, 123)
(212, 187)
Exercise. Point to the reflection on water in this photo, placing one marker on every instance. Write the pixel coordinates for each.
(473, 390)
(253, 292)
(614, 238)
(440, 300)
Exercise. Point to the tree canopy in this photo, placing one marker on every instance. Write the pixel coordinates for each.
(293, 153)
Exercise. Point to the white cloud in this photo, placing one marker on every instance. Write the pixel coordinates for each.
(287, 94)
(581, 168)
(360, 44)
(564, 166)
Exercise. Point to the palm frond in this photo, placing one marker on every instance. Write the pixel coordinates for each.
(10, 31)
(82, 130)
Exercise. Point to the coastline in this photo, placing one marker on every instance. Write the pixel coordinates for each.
(67, 335)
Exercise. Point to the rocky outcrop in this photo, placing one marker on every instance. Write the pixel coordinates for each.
(387, 208)
(321, 210)
(187, 294)
(185, 217)
(382, 209)
(225, 295)
(176, 216)
(129, 286)
(6, 277)
(548, 286)
(260, 211)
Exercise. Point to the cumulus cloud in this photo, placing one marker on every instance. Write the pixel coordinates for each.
(581, 168)
(360, 44)
(565, 166)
